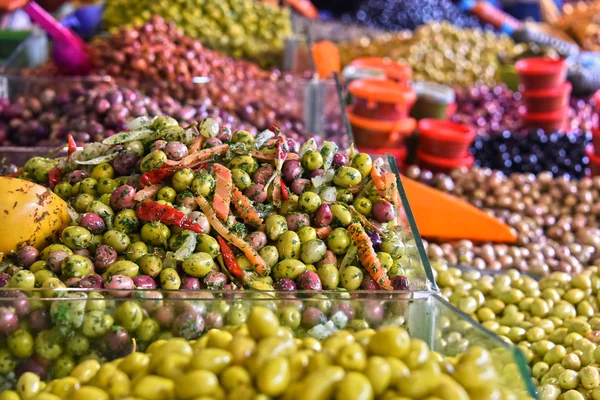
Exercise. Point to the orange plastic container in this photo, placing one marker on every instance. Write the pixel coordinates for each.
(547, 100)
(398, 72)
(549, 122)
(380, 134)
(441, 138)
(590, 151)
(541, 72)
(381, 99)
(440, 164)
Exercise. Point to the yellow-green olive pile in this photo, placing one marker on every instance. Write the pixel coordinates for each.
(555, 322)
(264, 359)
(241, 28)
(303, 241)
(555, 220)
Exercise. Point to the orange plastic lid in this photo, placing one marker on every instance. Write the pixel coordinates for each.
(546, 116)
(398, 152)
(540, 66)
(552, 92)
(11, 5)
(449, 163)
(304, 7)
(382, 90)
(589, 151)
(327, 58)
(403, 126)
(392, 69)
(595, 132)
(439, 129)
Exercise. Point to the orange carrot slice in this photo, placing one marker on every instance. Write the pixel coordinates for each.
(244, 207)
(223, 187)
(368, 257)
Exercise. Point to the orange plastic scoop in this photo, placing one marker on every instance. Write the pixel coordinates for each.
(443, 216)
(327, 58)
(304, 7)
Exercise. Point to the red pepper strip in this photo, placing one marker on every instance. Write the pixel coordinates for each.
(158, 175)
(282, 151)
(54, 177)
(229, 259)
(19, 172)
(72, 145)
(285, 192)
(149, 210)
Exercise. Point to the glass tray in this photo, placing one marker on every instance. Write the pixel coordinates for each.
(81, 323)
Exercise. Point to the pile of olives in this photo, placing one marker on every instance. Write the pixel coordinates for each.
(553, 321)
(241, 28)
(303, 240)
(263, 357)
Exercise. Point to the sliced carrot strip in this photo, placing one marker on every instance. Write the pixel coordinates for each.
(368, 257)
(244, 207)
(223, 187)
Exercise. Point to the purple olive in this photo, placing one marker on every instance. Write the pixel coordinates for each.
(165, 316)
(215, 280)
(297, 219)
(346, 308)
(368, 283)
(190, 283)
(39, 320)
(309, 280)
(373, 311)
(124, 163)
(257, 240)
(20, 304)
(9, 322)
(323, 216)
(400, 282)
(212, 142)
(27, 256)
(301, 185)
(375, 239)
(4, 279)
(31, 365)
(291, 170)
(176, 150)
(317, 172)
(105, 257)
(122, 198)
(76, 176)
(214, 320)
(92, 223)
(263, 174)
(284, 284)
(383, 211)
(118, 343)
(339, 160)
(312, 316)
(256, 193)
(329, 258)
(91, 282)
(144, 282)
(188, 325)
(55, 260)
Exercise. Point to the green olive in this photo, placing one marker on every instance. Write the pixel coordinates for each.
(107, 186)
(246, 163)
(167, 194)
(116, 239)
(346, 177)
(126, 221)
(182, 179)
(203, 185)
(136, 250)
(169, 279)
(155, 233)
(363, 163)
(130, 315)
(338, 241)
(89, 186)
(329, 275)
(76, 266)
(150, 264)
(363, 205)
(312, 160)
(275, 226)
(198, 265)
(240, 178)
(76, 237)
(288, 245)
(243, 137)
(64, 190)
(23, 279)
(208, 244)
(351, 278)
(152, 161)
(309, 202)
(313, 251)
(270, 255)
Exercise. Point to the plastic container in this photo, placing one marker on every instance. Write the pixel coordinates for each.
(590, 152)
(396, 71)
(433, 100)
(508, 75)
(562, 47)
(399, 153)
(490, 14)
(440, 138)
(541, 72)
(597, 101)
(441, 164)
(381, 99)
(547, 100)
(596, 140)
(549, 122)
(384, 134)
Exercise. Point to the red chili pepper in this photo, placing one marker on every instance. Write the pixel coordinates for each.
(285, 192)
(72, 145)
(229, 259)
(158, 175)
(54, 177)
(149, 210)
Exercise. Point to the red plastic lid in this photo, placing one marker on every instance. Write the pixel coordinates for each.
(553, 92)
(589, 151)
(382, 90)
(392, 69)
(403, 126)
(595, 132)
(597, 98)
(547, 116)
(448, 163)
(540, 66)
(439, 129)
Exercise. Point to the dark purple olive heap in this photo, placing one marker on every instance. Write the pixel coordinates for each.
(493, 111)
(563, 154)
(556, 220)
(396, 15)
(90, 114)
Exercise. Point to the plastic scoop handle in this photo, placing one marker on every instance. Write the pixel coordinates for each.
(50, 25)
(327, 58)
(440, 215)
